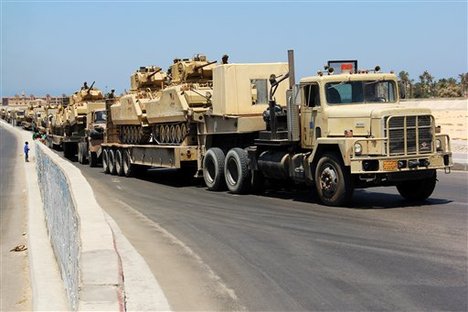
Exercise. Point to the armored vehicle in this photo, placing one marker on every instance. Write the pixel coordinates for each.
(129, 112)
(70, 124)
(17, 116)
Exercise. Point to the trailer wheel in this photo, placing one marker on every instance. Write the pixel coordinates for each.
(119, 162)
(128, 168)
(236, 171)
(213, 169)
(93, 159)
(112, 167)
(332, 181)
(79, 154)
(105, 160)
(417, 190)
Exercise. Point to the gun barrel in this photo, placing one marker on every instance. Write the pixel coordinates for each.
(89, 89)
(152, 74)
(204, 65)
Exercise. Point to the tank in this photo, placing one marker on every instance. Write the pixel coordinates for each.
(160, 106)
(128, 113)
(83, 101)
(174, 115)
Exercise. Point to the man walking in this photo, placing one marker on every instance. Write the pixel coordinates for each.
(26, 151)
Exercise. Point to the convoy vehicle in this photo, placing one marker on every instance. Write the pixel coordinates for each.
(78, 127)
(338, 130)
(17, 116)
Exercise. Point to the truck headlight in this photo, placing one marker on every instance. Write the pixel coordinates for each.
(438, 145)
(357, 149)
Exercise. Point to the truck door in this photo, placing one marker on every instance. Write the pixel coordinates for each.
(310, 108)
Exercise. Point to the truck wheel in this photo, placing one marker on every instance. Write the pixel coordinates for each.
(236, 171)
(66, 151)
(105, 160)
(127, 165)
(80, 155)
(417, 190)
(332, 181)
(213, 169)
(119, 162)
(93, 159)
(84, 153)
(112, 169)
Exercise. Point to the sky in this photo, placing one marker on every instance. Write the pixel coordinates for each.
(52, 47)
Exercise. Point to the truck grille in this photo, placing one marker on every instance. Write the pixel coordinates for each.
(409, 135)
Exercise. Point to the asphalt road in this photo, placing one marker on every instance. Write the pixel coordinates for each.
(282, 251)
(15, 291)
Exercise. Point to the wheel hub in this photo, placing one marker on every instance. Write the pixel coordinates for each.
(328, 181)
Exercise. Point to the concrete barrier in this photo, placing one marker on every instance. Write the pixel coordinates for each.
(80, 236)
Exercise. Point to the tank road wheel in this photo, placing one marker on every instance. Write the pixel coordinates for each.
(167, 134)
(173, 134)
(124, 134)
(139, 135)
(93, 159)
(162, 134)
(105, 160)
(213, 169)
(236, 171)
(126, 164)
(418, 190)
(179, 136)
(112, 169)
(119, 162)
(155, 134)
(332, 181)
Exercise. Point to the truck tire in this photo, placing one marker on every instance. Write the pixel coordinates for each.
(333, 181)
(93, 159)
(119, 162)
(80, 155)
(66, 151)
(128, 168)
(417, 190)
(105, 160)
(236, 171)
(84, 153)
(112, 169)
(213, 169)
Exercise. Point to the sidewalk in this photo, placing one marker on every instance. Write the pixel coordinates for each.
(141, 291)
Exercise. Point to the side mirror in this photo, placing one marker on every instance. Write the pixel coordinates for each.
(402, 89)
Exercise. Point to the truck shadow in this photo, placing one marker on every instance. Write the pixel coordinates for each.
(169, 177)
(362, 198)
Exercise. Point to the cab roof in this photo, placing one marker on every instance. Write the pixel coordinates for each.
(348, 77)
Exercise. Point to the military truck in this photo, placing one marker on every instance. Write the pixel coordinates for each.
(17, 116)
(339, 130)
(72, 126)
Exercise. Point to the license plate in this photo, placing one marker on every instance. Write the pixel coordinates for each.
(390, 165)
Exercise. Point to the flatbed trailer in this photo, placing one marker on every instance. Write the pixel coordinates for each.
(122, 159)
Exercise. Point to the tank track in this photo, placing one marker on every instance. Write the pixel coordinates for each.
(135, 134)
(170, 133)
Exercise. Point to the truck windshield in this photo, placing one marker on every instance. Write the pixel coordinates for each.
(100, 117)
(367, 91)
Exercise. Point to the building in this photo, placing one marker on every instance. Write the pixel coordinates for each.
(26, 100)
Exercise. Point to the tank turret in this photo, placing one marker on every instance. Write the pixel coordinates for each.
(86, 94)
(197, 69)
(148, 77)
